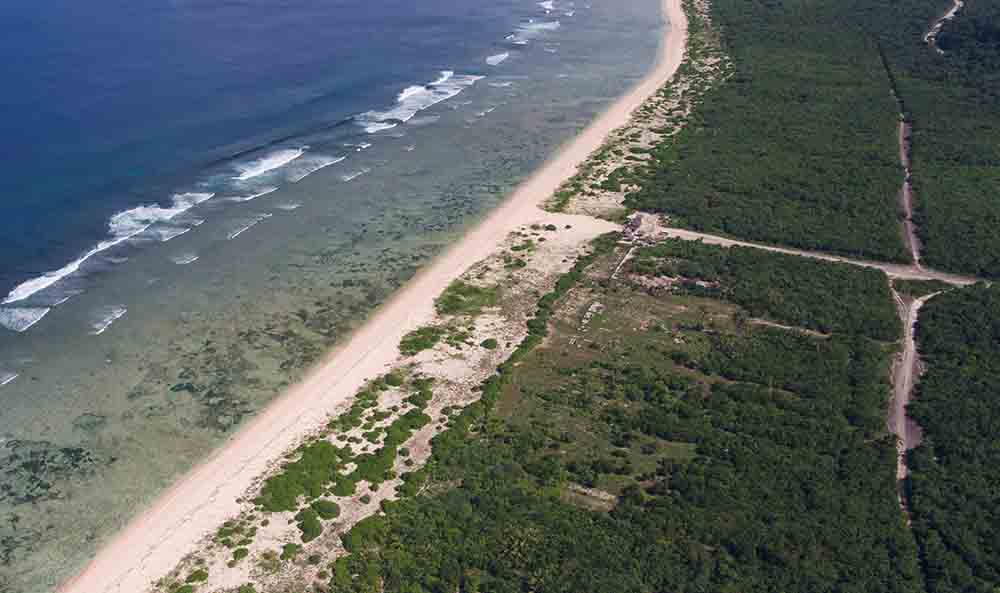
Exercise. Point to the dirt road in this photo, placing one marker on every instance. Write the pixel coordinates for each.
(905, 372)
(906, 193)
(896, 271)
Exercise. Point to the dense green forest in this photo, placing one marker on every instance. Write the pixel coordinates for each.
(953, 100)
(661, 447)
(799, 146)
(823, 296)
(955, 482)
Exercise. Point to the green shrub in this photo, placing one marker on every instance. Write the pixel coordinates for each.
(240, 554)
(489, 344)
(326, 509)
(461, 298)
(197, 576)
(345, 486)
(420, 339)
(316, 466)
(289, 551)
(309, 524)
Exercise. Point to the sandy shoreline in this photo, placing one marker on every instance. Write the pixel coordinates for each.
(157, 539)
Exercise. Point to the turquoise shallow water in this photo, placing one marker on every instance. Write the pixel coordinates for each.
(179, 333)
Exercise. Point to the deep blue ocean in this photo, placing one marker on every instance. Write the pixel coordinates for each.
(108, 105)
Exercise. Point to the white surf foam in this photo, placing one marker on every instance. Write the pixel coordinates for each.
(104, 317)
(548, 5)
(122, 227)
(410, 148)
(309, 165)
(7, 377)
(501, 85)
(165, 233)
(373, 127)
(414, 99)
(262, 192)
(531, 30)
(352, 176)
(182, 259)
(260, 166)
(498, 59)
(289, 206)
(20, 319)
(424, 120)
(248, 225)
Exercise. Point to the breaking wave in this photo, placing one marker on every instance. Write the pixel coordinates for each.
(268, 163)
(105, 316)
(307, 166)
(531, 30)
(354, 175)
(182, 259)
(20, 319)
(122, 227)
(263, 192)
(247, 225)
(498, 59)
(414, 99)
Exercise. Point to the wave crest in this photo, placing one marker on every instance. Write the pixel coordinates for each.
(268, 163)
(414, 99)
(20, 319)
(122, 227)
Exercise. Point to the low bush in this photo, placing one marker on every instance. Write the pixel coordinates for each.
(197, 576)
(420, 339)
(326, 509)
(290, 551)
(461, 298)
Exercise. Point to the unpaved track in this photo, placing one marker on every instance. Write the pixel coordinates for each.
(930, 38)
(895, 271)
(905, 371)
(906, 193)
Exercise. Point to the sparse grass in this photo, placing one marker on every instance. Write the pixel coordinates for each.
(513, 263)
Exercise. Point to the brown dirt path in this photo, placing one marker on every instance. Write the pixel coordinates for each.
(895, 271)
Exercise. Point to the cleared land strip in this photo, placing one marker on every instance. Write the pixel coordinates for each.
(906, 370)
(897, 271)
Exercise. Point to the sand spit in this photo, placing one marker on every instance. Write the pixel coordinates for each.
(157, 540)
